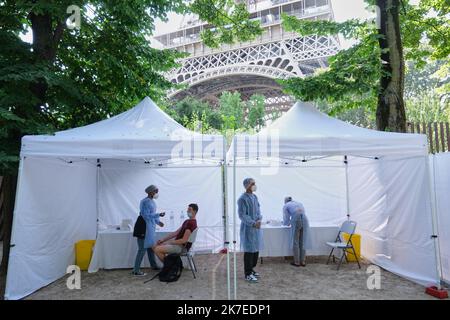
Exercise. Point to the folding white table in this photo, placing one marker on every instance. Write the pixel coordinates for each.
(276, 240)
(116, 249)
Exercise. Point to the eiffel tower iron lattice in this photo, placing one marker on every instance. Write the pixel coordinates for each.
(251, 67)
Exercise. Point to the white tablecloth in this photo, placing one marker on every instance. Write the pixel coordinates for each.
(276, 241)
(116, 249)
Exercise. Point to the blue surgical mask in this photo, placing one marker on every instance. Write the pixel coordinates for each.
(189, 214)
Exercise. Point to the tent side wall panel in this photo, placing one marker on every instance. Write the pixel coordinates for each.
(390, 201)
(55, 208)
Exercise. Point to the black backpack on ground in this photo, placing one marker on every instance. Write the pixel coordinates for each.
(140, 227)
(171, 271)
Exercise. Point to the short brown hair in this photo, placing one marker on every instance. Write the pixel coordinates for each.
(194, 207)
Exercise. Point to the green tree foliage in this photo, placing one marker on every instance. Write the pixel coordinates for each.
(427, 108)
(255, 111)
(190, 111)
(423, 98)
(423, 85)
(420, 79)
(427, 78)
(230, 22)
(359, 116)
(353, 76)
(426, 23)
(67, 78)
(231, 113)
(232, 109)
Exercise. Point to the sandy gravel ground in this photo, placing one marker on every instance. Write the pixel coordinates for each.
(279, 280)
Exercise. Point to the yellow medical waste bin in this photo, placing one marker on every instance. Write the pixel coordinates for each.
(83, 253)
(356, 241)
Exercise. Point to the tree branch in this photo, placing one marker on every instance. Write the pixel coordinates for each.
(59, 30)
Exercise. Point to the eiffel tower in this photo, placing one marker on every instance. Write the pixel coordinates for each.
(252, 67)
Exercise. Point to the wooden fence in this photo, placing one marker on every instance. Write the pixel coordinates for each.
(438, 134)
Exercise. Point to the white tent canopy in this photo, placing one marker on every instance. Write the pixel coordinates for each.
(380, 179)
(141, 132)
(73, 180)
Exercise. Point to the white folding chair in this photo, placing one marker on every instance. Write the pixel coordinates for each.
(189, 254)
(349, 228)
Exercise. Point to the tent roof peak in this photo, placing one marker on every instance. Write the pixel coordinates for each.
(144, 129)
(305, 130)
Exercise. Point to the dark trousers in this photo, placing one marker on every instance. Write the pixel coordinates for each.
(250, 261)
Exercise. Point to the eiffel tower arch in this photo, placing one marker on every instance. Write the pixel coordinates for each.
(251, 67)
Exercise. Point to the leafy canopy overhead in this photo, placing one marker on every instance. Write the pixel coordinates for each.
(229, 22)
(72, 77)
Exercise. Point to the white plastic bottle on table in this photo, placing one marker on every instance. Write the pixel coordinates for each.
(172, 221)
(181, 217)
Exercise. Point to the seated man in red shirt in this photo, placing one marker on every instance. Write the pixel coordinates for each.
(176, 241)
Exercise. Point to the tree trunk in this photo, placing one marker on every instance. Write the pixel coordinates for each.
(45, 44)
(9, 194)
(391, 107)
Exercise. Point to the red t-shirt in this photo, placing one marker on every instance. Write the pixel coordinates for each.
(189, 224)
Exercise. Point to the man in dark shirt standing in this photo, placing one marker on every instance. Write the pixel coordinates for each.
(176, 241)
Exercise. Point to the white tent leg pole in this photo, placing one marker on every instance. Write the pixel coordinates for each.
(234, 218)
(432, 191)
(97, 202)
(225, 217)
(346, 187)
(14, 218)
(228, 271)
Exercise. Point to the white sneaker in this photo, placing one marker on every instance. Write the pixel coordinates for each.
(255, 274)
(251, 278)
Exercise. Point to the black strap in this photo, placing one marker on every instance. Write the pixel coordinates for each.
(153, 277)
